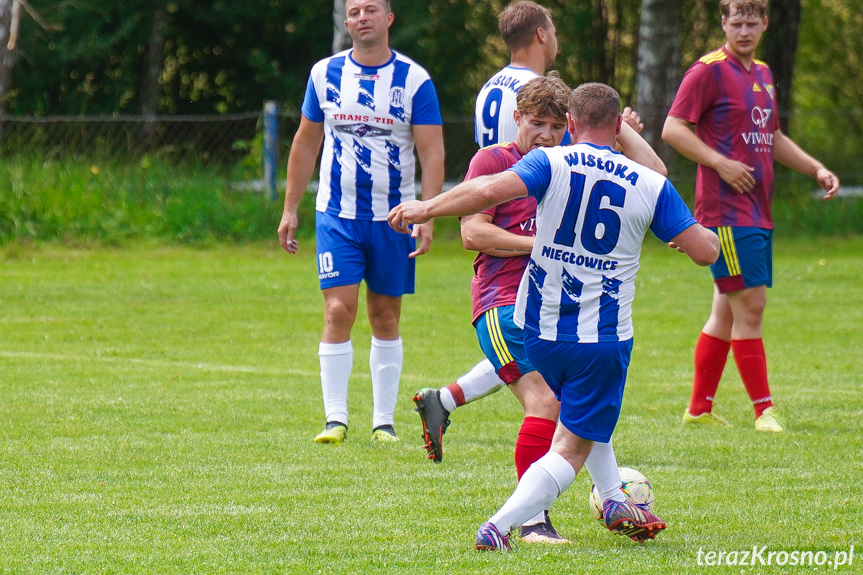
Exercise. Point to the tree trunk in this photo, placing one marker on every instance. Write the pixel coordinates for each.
(341, 39)
(150, 88)
(780, 50)
(658, 74)
(7, 56)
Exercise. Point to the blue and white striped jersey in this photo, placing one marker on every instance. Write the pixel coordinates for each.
(493, 121)
(367, 165)
(594, 206)
(495, 103)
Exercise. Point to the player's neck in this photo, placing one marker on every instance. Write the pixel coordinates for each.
(746, 61)
(371, 56)
(530, 60)
(594, 136)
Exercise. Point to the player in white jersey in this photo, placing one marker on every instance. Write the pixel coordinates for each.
(370, 105)
(594, 208)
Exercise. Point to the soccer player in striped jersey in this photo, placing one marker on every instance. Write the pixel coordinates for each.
(730, 98)
(594, 206)
(371, 106)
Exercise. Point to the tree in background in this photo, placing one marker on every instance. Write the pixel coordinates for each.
(658, 72)
(341, 38)
(780, 50)
(7, 55)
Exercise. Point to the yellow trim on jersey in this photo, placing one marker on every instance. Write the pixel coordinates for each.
(498, 145)
(715, 56)
(729, 250)
(760, 62)
(492, 322)
(756, 87)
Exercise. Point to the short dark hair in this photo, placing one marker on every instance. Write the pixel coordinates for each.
(385, 3)
(594, 105)
(745, 7)
(519, 21)
(544, 97)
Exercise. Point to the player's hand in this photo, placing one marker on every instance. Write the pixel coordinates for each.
(736, 174)
(630, 116)
(287, 229)
(828, 181)
(423, 234)
(403, 215)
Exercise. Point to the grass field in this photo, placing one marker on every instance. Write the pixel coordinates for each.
(158, 408)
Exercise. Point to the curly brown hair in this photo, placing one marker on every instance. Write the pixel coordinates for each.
(544, 97)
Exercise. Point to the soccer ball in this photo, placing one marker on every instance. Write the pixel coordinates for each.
(635, 486)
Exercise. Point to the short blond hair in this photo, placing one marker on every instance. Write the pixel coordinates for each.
(744, 7)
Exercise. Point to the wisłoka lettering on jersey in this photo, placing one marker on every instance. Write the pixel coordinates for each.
(513, 84)
(608, 166)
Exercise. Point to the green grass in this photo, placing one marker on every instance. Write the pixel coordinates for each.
(158, 406)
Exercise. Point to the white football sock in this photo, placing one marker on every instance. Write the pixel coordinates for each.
(385, 363)
(539, 487)
(336, 362)
(601, 464)
(479, 382)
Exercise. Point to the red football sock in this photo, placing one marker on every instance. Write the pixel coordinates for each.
(457, 393)
(534, 441)
(710, 356)
(752, 364)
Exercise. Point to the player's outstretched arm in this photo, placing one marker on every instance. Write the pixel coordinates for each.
(464, 199)
(699, 243)
(301, 164)
(788, 153)
(678, 134)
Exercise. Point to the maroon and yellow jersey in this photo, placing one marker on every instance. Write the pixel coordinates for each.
(495, 281)
(734, 112)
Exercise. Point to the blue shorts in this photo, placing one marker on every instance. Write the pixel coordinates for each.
(350, 251)
(502, 342)
(587, 378)
(745, 258)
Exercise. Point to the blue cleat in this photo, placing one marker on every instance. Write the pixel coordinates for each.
(488, 538)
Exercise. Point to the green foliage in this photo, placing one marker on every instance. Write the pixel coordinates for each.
(159, 405)
(72, 200)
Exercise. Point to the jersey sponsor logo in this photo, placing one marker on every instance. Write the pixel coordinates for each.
(770, 90)
(763, 141)
(760, 116)
(371, 77)
(363, 130)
